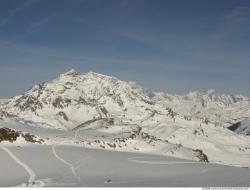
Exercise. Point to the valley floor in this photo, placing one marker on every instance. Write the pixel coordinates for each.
(61, 165)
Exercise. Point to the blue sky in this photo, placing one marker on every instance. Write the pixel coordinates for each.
(167, 45)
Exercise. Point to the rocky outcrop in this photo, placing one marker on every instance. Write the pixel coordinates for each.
(10, 135)
(200, 155)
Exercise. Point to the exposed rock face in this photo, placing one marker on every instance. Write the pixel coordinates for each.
(60, 103)
(61, 113)
(32, 138)
(242, 127)
(11, 135)
(7, 134)
(200, 154)
(5, 114)
(29, 102)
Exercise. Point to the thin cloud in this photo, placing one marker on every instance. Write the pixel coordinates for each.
(16, 10)
(36, 52)
(37, 25)
(234, 23)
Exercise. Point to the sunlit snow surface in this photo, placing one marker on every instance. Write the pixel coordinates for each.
(77, 115)
(110, 168)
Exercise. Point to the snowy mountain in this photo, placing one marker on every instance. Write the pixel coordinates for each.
(62, 102)
(220, 109)
(95, 110)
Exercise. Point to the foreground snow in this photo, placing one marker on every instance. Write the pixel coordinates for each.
(62, 165)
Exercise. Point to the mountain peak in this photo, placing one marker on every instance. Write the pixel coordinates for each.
(99, 75)
(90, 74)
(70, 72)
(210, 91)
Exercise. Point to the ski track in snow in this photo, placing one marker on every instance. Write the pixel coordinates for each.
(71, 166)
(137, 160)
(25, 166)
(75, 135)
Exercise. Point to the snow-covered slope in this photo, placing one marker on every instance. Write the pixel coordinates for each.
(96, 110)
(72, 166)
(242, 127)
(221, 109)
